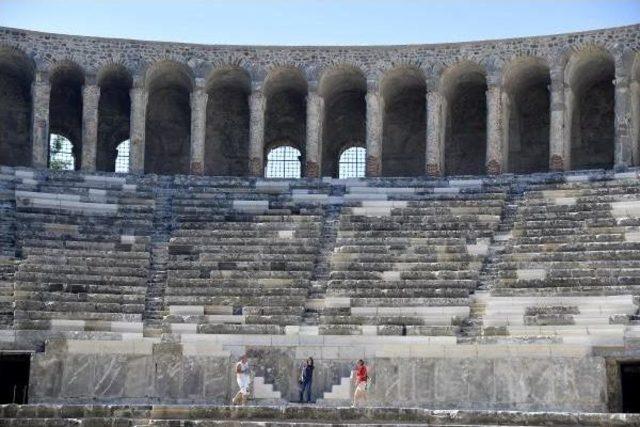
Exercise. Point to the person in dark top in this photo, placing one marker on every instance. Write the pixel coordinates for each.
(306, 378)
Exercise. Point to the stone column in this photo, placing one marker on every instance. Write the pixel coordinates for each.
(374, 131)
(257, 106)
(90, 101)
(139, 97)
(199, 98)
(315, 118)
(40, 95)
(436, 119)
(634, 89)
(494, 158)
(557, 121)
(623, 154)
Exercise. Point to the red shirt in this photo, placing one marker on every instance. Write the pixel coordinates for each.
(361, 373)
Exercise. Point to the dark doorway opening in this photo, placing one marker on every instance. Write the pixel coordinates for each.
(630, 377)
(14, 377)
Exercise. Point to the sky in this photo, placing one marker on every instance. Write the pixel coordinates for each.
(316, 22)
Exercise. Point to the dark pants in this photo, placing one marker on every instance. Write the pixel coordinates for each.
(305, 386)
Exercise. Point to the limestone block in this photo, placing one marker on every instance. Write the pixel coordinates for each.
(632, 236)
(465, 182)
(286, 234)
(391, 276)
(127, 240)
(577, 178)
(105, 179)
(269, 186)
(565, 201)
(186, 328)
(337, 302)
(625, 175)
(531, 274)
(452, 190)
(627, 209)
(196, 310)
(481, 247)
(251, 206)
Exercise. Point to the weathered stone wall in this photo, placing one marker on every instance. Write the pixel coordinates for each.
(140, 371)
(567, 60)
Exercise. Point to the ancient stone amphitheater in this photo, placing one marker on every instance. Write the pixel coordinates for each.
(479, 247)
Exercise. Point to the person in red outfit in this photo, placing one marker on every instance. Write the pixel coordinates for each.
(361, 376)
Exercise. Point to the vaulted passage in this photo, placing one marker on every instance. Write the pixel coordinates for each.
(16, 76)
(65, 107)
(590, 76)
(14, 387)
(466, 127)
(168, 122)
(528, 109)
(343, 90)
(285, 90)
(630, 378)
(403, 145)
(114, 112)
(227, 133)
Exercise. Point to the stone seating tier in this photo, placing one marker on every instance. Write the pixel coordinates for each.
(244, 256)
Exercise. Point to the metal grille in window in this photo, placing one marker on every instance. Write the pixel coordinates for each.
(352, 163)
(60, 153)
(283, 162)
(122, 160)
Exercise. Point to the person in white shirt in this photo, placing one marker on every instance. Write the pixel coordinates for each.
(243, 376)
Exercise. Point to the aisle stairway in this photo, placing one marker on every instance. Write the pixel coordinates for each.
(570, 272)
(407, 258)
(241, 258)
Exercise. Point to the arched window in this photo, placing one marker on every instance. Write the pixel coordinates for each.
(352, 163)
(61, 153)
(122, 160)
(283, 162)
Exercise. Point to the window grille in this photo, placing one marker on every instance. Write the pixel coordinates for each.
(352, 163)
(283, 162)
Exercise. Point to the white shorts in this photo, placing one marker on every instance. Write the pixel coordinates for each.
(361, 386)
(243, 383)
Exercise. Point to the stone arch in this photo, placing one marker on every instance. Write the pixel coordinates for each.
(527, 109)
(16, 76)
(589, 76)
(168, 119)
(403, 90)
(65, 105)
(464, 87)
(344, 90)
(114, 113)
(285, 92)
(227, 131)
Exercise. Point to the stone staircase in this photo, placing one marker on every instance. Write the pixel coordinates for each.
(340, 393)
(84, 239)
(263, 391)
(241, 258)
(407, 258)
(159, 256)
(571, 269)
(295, 415)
